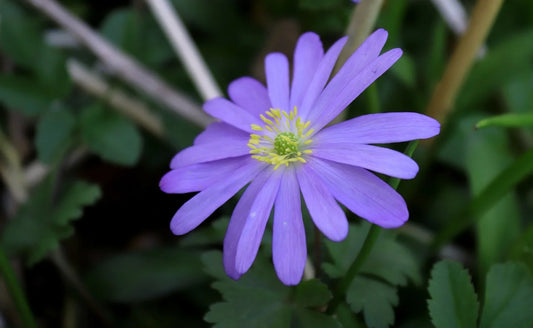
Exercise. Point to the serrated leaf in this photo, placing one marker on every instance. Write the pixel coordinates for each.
(508, 297)
(507, 120)
(453, 300)
(43, 221)
(54, 134)
(259, 299)
(142, 275)
(111, 136)
(24, 94)
(375, 299)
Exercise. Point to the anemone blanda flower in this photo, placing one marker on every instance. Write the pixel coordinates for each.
(275, 139)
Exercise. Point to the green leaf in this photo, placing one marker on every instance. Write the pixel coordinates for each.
(311, 293)
(24, 94)
(20, 35)
(507, 120)
(142, 275)
(388, 260)
(54, 134)
(111, 136)
(487, 154)
(389, 264)
(508, 297)
(453, 300)
(259, 299)
(375, 299)
(43, 221)
(500, 186)
(518, 94)
(135, 32)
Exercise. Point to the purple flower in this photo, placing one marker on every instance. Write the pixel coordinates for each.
(275, 139)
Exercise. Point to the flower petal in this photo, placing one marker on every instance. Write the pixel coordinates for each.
(320, 77)
(256, 220)
(197, 177)
(223, 147)
(230, 113)
(381, 128)
(378, 159)
(238, 220)
(217, 130)
(250, 94)
(344, 88)
(367, 52)
(277, 76)
(325, 211)
(203, 204)
(289, 250)
(362, 192)
(307, 56)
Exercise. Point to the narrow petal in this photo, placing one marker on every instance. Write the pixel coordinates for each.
(223, 147)
(367, 52)
(325, 211)
(232, 114)
(238, 220)
(307, 56)
(289, 250)
(277, 76)
(377, 159)
(250, 94)
(256, 220)
(381, 128)
(320, 77)
(197, 177)
(362, 192)
(343, 89)
(203, 204)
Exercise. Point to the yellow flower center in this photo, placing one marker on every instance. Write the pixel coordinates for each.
(282, 140)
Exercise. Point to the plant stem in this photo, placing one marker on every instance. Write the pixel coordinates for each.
(444, 95)
(16, 292)
(370, 239)
(345, 282)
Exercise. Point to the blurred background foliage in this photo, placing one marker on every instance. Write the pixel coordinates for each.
(87, 227)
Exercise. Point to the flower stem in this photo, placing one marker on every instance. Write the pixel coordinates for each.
(444, 95)
(368, 245)
(345, 282)
(16, 292)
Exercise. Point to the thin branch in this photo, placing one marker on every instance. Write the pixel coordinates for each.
(445, 94)
(185, 48)
(124, 66)
(125, 104)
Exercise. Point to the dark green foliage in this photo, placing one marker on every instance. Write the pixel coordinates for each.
(374, 292)
(42, 222)
(508, 296)
(110, 135)
(258, 299)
